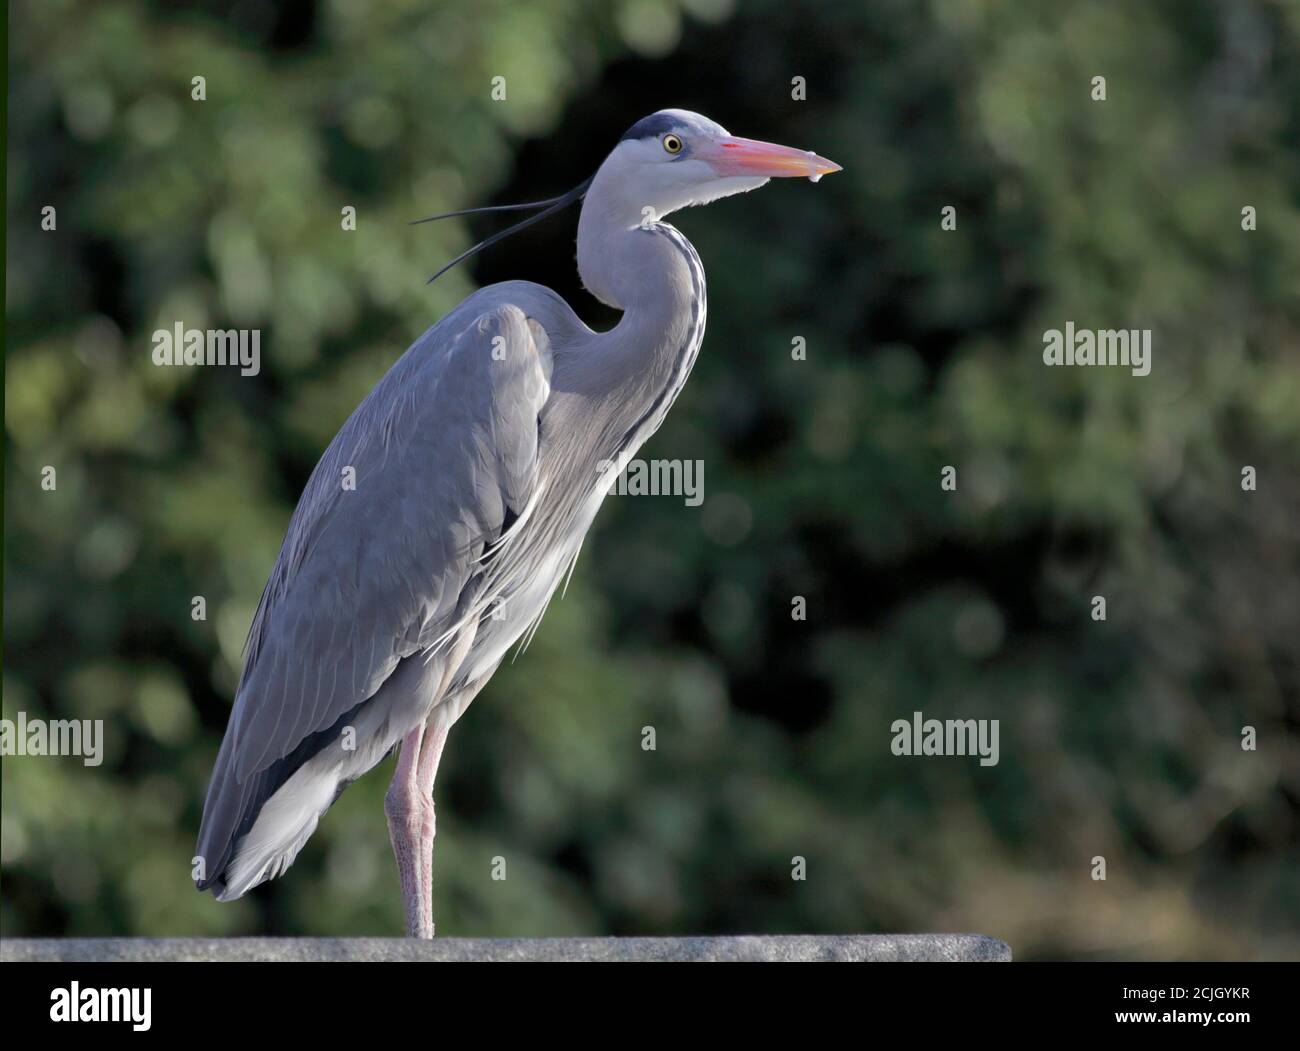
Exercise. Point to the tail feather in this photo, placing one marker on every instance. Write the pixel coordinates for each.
(233, 810)
(253, 830)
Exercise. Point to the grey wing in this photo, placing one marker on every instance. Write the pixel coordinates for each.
(383, 550)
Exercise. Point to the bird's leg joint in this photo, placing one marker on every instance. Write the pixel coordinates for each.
(409, 809)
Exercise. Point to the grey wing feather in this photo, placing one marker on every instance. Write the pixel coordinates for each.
(443, 450)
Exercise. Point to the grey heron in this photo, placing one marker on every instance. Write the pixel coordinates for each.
(477, 464)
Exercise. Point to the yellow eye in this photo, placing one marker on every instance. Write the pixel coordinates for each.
(672, 144)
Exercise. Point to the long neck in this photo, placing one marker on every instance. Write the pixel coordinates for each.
(654, 276)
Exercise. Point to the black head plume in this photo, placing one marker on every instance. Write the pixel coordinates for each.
(550, 206)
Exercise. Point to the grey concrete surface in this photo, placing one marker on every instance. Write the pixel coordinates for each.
(848, 948)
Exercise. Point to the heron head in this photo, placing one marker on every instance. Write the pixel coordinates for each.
(675, 158)
(666, 161)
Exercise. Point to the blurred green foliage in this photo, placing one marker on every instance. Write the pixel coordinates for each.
(1119, 739)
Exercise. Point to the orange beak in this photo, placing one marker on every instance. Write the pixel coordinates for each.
(736, 156)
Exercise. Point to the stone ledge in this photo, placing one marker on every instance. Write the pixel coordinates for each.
(844, 948)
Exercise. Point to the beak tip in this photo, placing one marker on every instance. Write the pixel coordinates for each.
(824, 167)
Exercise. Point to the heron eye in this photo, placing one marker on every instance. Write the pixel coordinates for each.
(672, 144)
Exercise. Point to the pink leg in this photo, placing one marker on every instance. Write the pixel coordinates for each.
(409, 807)
(435, 737)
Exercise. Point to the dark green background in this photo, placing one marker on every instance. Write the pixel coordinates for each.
(1119, 739)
